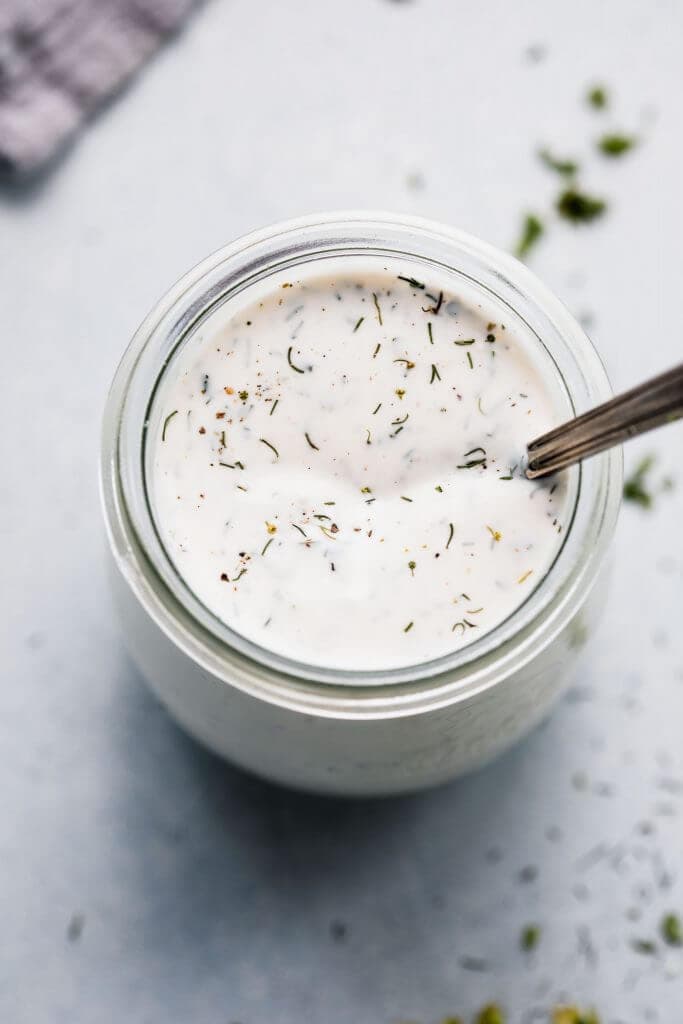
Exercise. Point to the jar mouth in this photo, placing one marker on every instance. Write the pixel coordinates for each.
(133, 533)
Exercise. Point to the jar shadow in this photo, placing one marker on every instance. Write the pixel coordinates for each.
(208, 839)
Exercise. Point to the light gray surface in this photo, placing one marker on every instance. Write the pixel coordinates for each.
(208, 896)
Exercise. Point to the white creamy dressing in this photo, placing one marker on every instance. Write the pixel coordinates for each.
(335, 466)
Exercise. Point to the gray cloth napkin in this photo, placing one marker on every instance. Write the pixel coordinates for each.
(60, 59)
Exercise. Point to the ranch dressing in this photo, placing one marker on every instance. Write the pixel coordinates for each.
(335, 464)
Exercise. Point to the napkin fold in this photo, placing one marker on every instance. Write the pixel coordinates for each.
(61, 59)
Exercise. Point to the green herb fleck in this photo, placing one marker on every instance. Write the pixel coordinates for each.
(205, 383)
(368, 439)
(469, 360)
(239, 575)
(297, 369)
(465, 341)
(314, 446)
(273, 407)
(408, 628)
(532, 230)
(267, 545)
(597, 97)
(379, 311)
(567, 168)
(377, 348)
(439, 488)
(411, 566)
(403, 498)
(429, 332)
(451, 531)
(366, 490)
(411, 281)
(616, 145)
(644, 946)
(410, 365)
(435, 374)
(573, 1015)
(530, 937)
(271, 446)
(375, 411)
(166, 423)
(301, 531)
(358, 323)
(491, 1014)
(244, 395)
(672, 930)
(635, 486)
(579, 207)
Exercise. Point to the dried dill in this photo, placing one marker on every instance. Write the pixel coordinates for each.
(469, 360)
(531, 232)
(166, 423)
(451, 531)
(379, 311)
(297, 369)
(579, 207)
(271, 446)
(273, 407)
(567, 168)
(429, 333)
(411, 281)
(408, 628)
(358, 323)
(312, 445)
(435, 374)
(615, 145)
(377, 409)
(267, 545)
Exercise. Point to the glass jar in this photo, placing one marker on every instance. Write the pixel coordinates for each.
(320, 729)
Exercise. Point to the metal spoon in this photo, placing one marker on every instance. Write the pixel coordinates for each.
(649, 405)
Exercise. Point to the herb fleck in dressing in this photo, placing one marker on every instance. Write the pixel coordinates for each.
(336, 467)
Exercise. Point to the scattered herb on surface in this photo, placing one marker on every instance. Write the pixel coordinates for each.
(636, 485)
(358, 323)
(579, 207)
(490, 1014)
(530, 937)
(532, 230)
(273, 407)
(597, 97)
(408, 628)
(429, 333)
(435, 374)
(451, 531)
(615, 145)
(567, 168)
(312, 445)
(469, 360)
(379, 311)
(644, 946)
(672, 930)
(266, 545)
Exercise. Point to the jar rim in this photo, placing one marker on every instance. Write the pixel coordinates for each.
(238, 662)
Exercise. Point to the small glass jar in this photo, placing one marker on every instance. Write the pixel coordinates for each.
(357, 733)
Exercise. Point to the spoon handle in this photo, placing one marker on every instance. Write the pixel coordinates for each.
(644, 407)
